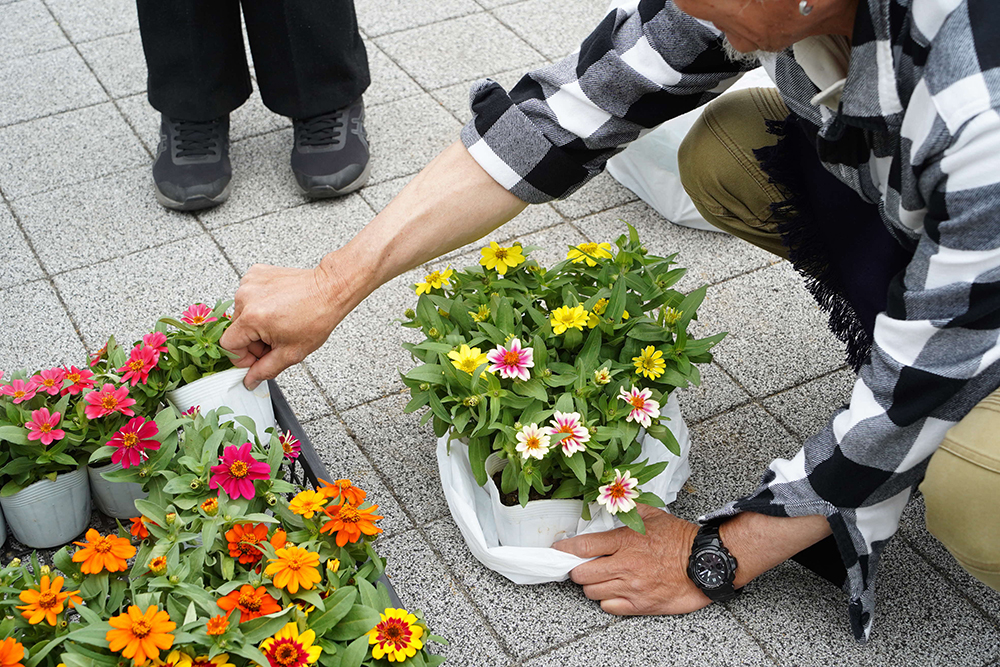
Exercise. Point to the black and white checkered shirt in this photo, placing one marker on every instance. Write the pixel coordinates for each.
(917, 133)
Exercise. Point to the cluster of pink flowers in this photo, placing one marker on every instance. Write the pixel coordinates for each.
(51, 381)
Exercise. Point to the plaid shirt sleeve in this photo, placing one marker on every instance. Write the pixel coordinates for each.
(646, 63)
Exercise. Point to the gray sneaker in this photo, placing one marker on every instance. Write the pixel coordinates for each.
(330, 156)
(192, 169)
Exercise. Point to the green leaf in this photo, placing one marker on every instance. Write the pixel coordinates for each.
(432, 373)
(14, 434)
(532, 388)
(616, 305)
(479, 449)
(587, 360)
(651, 499)
(578, 465)
(358, 621)
(633, 520)
(689, 306)
(259, 629)
(356, 652)
(337, 606)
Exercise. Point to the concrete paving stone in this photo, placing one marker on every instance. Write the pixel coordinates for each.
(424, 584)
(707, 637)
(362, 359)
(35, 331)
(600, 194)
(455, 98)
(17, 262)
(379, 18)
(709, 257)
(262, 180)
(44, 84)
(529, 619)
(84, 21)
(303, 394)
(407, 134)
(491, 4)
(343, 459)
(438, 55)
(778, 336)
(250, 120)
(403, 451)
(806, 409)
(389, 82)
(118, 62)
(913, 530)
(100, 219)
(920, 619)
(67, 148)
(126, 296)
(716, 394)
(554, 29)
(729, 455)
(297, 237)
(28, 28)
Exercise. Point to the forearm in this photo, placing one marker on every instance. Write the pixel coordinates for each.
(450, 203)
(760, 542)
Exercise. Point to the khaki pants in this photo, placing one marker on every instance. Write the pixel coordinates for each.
(724, 179)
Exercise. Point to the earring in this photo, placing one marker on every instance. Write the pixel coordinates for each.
(804, 7)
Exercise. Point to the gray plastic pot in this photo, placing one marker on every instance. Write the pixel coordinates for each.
(115, 499)
(49, 513)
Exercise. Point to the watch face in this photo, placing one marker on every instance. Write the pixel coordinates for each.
(711, 569)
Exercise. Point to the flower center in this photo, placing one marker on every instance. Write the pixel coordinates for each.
(103, 546)
(287, 447)
(47, 600)
(19, 393)
(247, 543)
(350, 514)
(239, 469)
(197, 319)
(109, 402)
(141, 628)
(616, 490)
(48, 382)
(73, 377)
(469, 364)
(511, 358)
(130, 440)
(637, 402)
(136, 365)
(249, 602)
(500, 254)
(533, 442)
(286, 654)
(45, 427)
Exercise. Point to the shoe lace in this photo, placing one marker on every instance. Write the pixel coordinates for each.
(323, 130)
(197, 138)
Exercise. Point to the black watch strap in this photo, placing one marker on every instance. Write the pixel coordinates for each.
(708, 552)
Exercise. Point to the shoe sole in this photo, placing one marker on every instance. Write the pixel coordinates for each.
(328, 191)
(195, 203)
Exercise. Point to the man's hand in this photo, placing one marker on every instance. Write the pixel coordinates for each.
(639, 574)
(281, 315)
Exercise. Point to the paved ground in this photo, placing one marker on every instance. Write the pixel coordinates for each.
(85, 252)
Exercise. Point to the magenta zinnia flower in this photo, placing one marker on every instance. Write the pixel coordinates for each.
(50, 381)
(644, 408)
(140, 363)
(80, 379)
(576, 433)
(198, 314)
(20, 390)
(290, 445)
(98, 357)
(619, 495)
(132, 441)
(512, 362)
(157, 341)
(237, 472)
(108, 400)
(192, 411)
(43, 426)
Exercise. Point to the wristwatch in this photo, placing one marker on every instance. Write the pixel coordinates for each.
(711, 567)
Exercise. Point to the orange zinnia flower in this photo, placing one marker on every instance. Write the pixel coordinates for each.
(11, 653)
(138, 527)
(243, 540)
(47, 602)
(103, 553)
(251, 603)
(342, 487)
(218, 625)
(294, 568)
(349, 522)
(141, 636)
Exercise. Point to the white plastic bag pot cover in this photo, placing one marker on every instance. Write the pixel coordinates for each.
(470, 506)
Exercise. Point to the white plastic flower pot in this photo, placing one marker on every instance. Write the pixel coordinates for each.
(3, 530)
(226, 389)
(540, 523)
(50, 513)
(115, 499)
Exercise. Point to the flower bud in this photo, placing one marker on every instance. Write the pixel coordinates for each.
(63, 624)
(271, 499)
(470, 401)
(195, 484)
(174, 579)
(171, 517)
(592, 429)
(643, 250)
(45, 570)
(547, 373)
(144, 472)
(228, 518)
(671, 316)
(602, 376)
(433, 333)
(496, 393)
(425, 386)
(77, 576)
(15, 562)
(408, 313)
(518, 426)
(333, 564)
(210, 506)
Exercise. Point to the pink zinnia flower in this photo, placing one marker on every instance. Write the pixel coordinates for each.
(192, 411)
(237, 472)
(108, 400)
(132, 441)
(20, 390)
(644, 408)
(619, 495)
(98, 357)
(140, 363)
(157, 341)
(50, 381)
(80, 379)
(43, 426)
(290, 445)
(512, 362)
(576, 433)
(198, 314)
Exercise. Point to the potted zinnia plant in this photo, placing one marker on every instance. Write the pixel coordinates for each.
(556, 380)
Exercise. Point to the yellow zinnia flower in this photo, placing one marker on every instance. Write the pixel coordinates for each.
(307, 503)
(482, 314)
(650, 363)
(291, 649)
(396, 637)
(501, 259)
(467, 359)
(294, 568)
(580, 253)
(564, 318)
(594, 317)
(435, 280)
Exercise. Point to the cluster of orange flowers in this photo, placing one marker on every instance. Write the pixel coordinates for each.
(345, 518)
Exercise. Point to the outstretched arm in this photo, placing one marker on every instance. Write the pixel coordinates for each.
(282, 315)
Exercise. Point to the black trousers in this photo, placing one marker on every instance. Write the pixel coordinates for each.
(308, 55)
